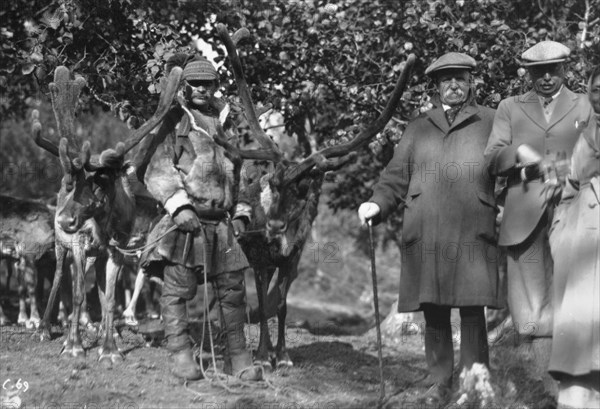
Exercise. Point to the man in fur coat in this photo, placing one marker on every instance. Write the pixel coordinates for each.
(194, 180)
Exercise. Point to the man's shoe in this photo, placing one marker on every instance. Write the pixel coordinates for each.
(184, 365)
(241, 367)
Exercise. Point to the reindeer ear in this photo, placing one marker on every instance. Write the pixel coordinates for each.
(63, 155)
(84, 156)
(112, 158)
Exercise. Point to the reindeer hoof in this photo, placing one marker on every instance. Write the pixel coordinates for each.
(32, 323)
(267, 367)
(74, 351)
(130, 320)
(112, 358)
(4, 321)
(22, 320)
(284, 363)
(44, 332)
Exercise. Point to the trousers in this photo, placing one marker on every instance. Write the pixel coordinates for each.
(180, 284)
(439, 351)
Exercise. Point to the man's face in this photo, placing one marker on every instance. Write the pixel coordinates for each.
(453, 85)
(199, 92)
(594, 94)
(547, 78)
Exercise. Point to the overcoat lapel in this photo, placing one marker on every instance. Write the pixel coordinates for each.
(437, 116)
(564, 104)
(464, 114)
(530, 104)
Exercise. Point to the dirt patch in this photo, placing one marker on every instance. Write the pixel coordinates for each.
(329, 372)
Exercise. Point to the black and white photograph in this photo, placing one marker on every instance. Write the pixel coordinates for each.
(300, 204)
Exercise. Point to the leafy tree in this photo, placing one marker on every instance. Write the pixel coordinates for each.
(328, 66)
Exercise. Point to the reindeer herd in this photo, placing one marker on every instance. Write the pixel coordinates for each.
(99, 215)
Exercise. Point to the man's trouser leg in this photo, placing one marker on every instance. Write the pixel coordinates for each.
(180, 285)
(530, 271)
(232, 306)
(438, 343)
(473, 337)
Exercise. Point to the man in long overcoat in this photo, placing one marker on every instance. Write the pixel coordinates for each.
(449, 242)
(531, 131)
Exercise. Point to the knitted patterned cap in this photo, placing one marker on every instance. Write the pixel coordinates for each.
(200, 69)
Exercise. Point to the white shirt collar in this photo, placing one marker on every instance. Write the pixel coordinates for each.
(553, 96)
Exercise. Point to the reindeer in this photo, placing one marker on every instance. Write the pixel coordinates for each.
(27, 246)
(95, 207)
(286, 201)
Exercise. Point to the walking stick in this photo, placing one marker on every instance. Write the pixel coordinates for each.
(376, 304)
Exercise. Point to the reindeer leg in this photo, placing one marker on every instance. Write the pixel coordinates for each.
(73, 344)
(3, 318)
(284, 280)
(9, 272)
(22, 291)
(108, 350)
(31, 279)
(262, 285)
(44, 327)
(129, 313)
(85, 320)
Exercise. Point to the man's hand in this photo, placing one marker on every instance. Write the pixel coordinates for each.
(552, 193)
(366, 211)
(526, 155)
(239, 226)
(187, 220)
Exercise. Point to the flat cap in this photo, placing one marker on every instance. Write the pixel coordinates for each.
(200, 69)
(451, 60)
(545, 52)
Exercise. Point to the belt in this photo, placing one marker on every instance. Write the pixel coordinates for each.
(211, 214)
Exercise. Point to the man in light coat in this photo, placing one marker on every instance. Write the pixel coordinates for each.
(449, 241)
(532, 134)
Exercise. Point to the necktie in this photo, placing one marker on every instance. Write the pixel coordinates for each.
(451, 113)
(547, 101)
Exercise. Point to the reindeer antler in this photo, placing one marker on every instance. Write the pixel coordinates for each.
(249, 109)
(166, 97)
(36, 131)
(113, 158)
(65, 94)
(293, 172)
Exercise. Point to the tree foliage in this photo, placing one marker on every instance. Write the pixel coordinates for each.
(328, 66)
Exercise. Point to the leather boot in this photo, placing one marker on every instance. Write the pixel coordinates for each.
(232, 306)
(184, 365)
(243, 368)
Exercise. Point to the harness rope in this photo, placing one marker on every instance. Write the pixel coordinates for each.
(137, 251)
(227, 382)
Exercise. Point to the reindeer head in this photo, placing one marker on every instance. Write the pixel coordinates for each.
(93, 187)
(290, 191)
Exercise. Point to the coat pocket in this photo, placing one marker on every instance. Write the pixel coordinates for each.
(412, 220)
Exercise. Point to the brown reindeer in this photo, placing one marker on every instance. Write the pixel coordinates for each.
(286, 200)
(27, 246)
(95, 208)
